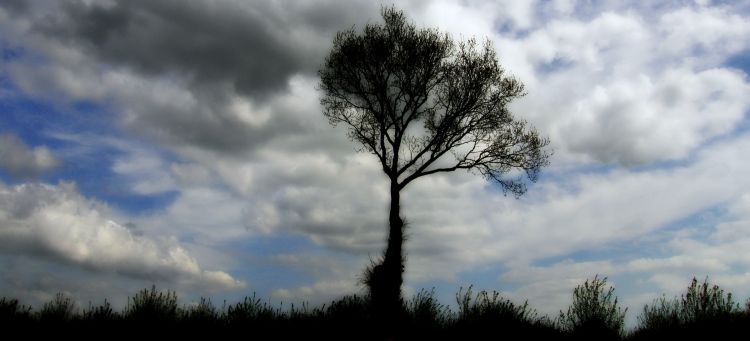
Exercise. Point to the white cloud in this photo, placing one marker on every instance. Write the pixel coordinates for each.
(621, 89)
(592, 210)
(636, 121)
(209, 215)
(712, 32)
(58, 224)
(145, 170)
(21, 161)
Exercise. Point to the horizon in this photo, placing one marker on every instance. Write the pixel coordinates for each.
(184, 146)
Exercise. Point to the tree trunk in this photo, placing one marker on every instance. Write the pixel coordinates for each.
(394, 257)
(386, 278)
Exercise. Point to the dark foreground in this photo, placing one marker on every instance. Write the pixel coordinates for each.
(704, 312)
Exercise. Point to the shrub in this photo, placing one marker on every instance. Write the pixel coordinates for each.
(202, 313)
(486, 306)
(11, 311)
(706, 302)
(424, 310)
(663, 313)
(251, 309)
(350, 308)
(60, 309)
(152, 306)
(490, 312)
(98, 314)
(594, 312)
(702, 303)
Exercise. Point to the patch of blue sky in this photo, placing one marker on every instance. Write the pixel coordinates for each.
(561, 177)
(555, 65)
(486, 277)
(10, 54)
(509, 30)
(698, 225)
(88, 163)
(741, 6)
(740, 61)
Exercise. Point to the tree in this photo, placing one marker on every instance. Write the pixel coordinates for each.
(423, 104)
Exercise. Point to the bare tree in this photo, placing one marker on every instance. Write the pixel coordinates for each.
(424, 104)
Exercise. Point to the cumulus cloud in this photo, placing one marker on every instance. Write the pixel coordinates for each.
(623, 89)
(21, 161)
(58, 224)
(196, 75)
(251, 47)
(612, 84)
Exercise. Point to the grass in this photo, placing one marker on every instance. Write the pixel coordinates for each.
(703, 311)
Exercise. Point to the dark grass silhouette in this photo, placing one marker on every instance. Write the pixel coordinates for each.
(704, 311)
(488, 312)
(13, 313)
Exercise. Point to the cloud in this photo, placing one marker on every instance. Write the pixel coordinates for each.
(704, 252)
(196, 75)
(58, 224)
(623, 89)
(250, 47)
(21, 161)
(612, 86)
(229, 88)
(145, 169)
(331, 277)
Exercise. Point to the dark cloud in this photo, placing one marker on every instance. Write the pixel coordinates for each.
(181, 68)
(15, 5)
(21, 161)
(256, 48)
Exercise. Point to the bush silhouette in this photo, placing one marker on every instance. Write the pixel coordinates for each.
(489, 311)
(100, 314)
(594, 313)
(486, 306)
(60, 309)
(203, 314)
(705, 310)
(14, 313)
(251, 310)
(425, 312)
(152, 307)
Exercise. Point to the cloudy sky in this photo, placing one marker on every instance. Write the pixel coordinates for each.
(183, 144)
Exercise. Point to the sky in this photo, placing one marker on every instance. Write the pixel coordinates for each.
(182, 144)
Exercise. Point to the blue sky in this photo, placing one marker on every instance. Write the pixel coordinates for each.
(156, 142)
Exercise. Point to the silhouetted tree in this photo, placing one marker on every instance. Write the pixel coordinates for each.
(424, 104)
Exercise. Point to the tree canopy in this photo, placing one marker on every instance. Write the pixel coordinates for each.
(415, 98)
